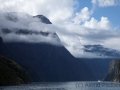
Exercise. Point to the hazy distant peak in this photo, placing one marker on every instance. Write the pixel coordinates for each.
(101, 50)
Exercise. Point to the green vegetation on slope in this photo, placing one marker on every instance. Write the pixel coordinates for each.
(11, 73)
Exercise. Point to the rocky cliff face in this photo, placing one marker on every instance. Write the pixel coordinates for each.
(114, 71)
(11, 73)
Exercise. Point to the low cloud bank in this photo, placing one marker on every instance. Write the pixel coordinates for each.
(21, 27)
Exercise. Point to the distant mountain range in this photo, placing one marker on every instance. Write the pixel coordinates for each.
(102, 51)
(44, 61)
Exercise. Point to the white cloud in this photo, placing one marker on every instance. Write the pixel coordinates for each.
(56, 10)
(113, 43)
(105, 3)
(103, 24)
(82, 16)
(94, 1)
(26, 22)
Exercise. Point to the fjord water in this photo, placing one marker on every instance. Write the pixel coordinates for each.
(66, 86)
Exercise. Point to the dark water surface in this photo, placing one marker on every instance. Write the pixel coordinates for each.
(66, 86)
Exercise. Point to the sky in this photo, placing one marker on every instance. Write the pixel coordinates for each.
(76, 22)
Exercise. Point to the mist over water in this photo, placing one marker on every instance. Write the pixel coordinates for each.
(66, 86)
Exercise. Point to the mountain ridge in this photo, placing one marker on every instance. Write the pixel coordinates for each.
(51, 63)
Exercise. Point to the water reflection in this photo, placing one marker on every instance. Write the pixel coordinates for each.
(66, 86)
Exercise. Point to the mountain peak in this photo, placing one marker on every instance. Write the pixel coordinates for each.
(43, 19)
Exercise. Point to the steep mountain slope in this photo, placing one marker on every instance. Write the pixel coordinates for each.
(51, 63)
(114, 71)
(11, 73)
(46, 62)
(99, 66)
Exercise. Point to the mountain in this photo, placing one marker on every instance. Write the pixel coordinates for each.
(102, 51)
(51, 63)
(11, 73)
(44, 61)
(43, 19)
(114, 71)
(99, 66)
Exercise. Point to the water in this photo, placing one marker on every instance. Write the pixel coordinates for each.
(66, 86)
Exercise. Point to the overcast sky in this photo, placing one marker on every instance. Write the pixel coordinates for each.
(77, 22)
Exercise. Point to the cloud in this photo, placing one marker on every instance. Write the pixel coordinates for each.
(103, 24)
(21, 27)
(12, 37)
(105, 3)
(76, 36)
(82, 16)
(102, 51)
(56, 10)
(75, 29)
